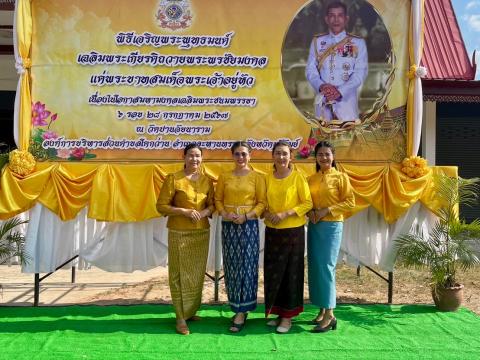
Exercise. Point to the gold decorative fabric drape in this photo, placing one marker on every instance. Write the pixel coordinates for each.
(128, 192)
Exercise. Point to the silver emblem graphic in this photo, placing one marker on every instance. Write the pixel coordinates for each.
(174, 14)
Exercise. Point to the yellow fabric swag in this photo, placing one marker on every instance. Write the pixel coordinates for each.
(128, 192)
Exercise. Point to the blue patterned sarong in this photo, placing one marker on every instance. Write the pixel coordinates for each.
(240, 247)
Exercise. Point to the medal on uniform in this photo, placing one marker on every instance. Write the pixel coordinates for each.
(346, 66)
(345, 76)
(332, 66)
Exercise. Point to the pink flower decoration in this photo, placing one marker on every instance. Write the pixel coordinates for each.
(63, 153)
(49, 135)
(305, 152)
(39, 114)
(312, 142)
(78, 153)
(54, 117)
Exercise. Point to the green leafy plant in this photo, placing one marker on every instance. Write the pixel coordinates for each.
(451, 244)
(12, 242)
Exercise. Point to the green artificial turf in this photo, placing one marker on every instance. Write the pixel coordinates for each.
(147, 332)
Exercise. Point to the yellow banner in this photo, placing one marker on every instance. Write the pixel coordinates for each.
(135, 81)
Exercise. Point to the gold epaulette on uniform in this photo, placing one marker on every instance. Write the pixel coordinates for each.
(318, 35)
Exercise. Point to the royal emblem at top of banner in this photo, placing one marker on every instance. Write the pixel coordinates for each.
(174, 14)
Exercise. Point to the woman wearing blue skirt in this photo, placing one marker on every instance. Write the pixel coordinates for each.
(332, 197)
(240, 199)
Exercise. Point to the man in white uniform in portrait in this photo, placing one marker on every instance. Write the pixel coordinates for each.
(337, 67)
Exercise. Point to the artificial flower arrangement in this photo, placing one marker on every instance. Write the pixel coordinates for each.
(414, 167)
(21, 162)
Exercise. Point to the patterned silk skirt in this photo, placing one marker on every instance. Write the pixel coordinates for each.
(240, 263)
(284, 271)
(187, 262)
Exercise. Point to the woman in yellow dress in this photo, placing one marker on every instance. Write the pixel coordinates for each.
(186, 198)
(240, 200)
(288, 200)
(332, 197)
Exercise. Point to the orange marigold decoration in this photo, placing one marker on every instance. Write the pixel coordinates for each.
(414, 166)
(21, 162)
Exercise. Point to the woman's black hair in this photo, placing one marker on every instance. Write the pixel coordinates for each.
(326, 144)
(282, 143)
(191, 146)
(238, 144)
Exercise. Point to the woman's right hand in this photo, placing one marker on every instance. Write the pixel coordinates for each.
(277, 218)
(192, 214)
(312, 217)
(267, 215)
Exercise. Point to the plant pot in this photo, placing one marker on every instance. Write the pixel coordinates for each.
(447, 299)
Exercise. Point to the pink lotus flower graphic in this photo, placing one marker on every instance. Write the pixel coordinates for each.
(49, 135)
(305, 152)
(78, 153)
(39, 114)
(42, 119)
(63, 153)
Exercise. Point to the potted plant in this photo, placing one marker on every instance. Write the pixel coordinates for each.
(450, 245)
(12, 241)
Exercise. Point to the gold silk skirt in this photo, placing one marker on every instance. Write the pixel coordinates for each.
(187, 263)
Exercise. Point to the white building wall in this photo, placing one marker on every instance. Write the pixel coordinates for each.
(429, 131)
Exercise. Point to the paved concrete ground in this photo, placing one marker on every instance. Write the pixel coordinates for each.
(57, 289)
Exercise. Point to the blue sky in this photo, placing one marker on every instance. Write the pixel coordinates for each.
(468, 17)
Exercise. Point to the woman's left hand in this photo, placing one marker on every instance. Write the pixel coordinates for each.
(321, 213)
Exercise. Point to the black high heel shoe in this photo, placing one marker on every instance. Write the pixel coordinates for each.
(331, 326)
(238, 327)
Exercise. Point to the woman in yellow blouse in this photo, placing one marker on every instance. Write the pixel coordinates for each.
(187, 199)
(332, 197)
(240, 200)
(288, 200)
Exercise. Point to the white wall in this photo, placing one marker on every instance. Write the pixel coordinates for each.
(8, 74)
(429, 129)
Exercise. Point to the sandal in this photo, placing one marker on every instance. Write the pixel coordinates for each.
(274, 322)
(283, 329)
(236, 328)
(182, 329)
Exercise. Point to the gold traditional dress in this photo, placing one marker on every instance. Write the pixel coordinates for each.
(187, 240)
